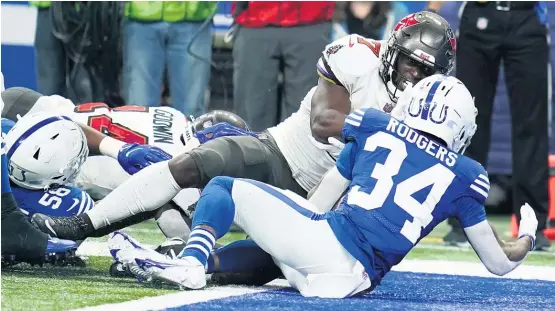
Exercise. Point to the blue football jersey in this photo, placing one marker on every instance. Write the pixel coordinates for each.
(62, 201)
(402, 185)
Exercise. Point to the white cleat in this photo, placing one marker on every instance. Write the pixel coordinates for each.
(120, 240)
(128, 257)
(185, 272)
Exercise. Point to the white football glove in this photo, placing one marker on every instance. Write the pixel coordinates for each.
(528, 223)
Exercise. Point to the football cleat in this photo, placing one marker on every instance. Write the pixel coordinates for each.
(72, 228)
(185, 272)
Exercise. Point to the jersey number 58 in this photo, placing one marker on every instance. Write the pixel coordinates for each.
(53, 198)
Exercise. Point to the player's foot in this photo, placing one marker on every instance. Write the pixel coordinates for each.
(542, 243)
(185, 272)
(62, 253)
(58, 253)
(456, 237)
(72, 228)
(118, 241)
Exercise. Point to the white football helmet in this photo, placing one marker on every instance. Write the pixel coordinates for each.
(441, 106)
(45, 150)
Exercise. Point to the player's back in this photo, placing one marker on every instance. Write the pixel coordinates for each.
(404, 183)
(158, 126)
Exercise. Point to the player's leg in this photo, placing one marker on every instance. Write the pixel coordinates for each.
(280, 223)
(242, 263)
(239, 156)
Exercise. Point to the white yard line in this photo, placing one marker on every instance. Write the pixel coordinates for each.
(186, 297)
(189, 297)
(524, 272)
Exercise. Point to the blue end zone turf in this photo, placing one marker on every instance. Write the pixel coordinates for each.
(407, 291)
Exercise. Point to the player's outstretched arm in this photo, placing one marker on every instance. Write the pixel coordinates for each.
(131, 157)
(330, 106)
(498, 256)
(94, 141)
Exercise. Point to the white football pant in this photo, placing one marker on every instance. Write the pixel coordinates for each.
(306, 250)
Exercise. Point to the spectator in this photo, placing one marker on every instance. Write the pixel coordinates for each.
(52, 64)
(173, 34)
(516, 33)
(274, 37)
(372, 19)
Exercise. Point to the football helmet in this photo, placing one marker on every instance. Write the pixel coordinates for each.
(45, 150)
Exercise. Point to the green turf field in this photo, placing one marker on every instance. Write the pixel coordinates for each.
(49, 288)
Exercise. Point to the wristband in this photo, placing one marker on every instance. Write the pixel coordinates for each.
(531, 238)
(110, 147)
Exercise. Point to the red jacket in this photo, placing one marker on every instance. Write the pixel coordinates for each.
(282, 13)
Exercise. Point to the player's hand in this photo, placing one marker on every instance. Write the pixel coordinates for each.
(219, 130)
(528, 223)
(135, 157)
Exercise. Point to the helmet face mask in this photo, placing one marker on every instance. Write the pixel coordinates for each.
(421, 44)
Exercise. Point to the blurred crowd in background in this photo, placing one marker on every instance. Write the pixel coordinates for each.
(165, 52)
(152, 53)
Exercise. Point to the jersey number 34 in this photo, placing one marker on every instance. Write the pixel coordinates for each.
(438, 176)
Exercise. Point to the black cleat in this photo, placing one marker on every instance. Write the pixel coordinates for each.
(73, 228)
(59, 259)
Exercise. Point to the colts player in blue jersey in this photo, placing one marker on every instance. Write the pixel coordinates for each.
(402, 179)
(32, 174)
(21, 242)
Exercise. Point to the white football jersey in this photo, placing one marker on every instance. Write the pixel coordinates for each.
(157, 126)
(354, 63)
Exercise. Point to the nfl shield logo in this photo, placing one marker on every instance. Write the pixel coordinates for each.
(482, 23)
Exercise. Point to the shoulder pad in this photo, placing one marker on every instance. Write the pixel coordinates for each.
(364, 121)
(476, 177)
(345, 60)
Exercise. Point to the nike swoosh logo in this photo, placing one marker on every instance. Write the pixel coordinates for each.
(50, 228)
(130, 152)
(75, 202)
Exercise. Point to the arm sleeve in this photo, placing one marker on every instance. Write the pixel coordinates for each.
(483, 240)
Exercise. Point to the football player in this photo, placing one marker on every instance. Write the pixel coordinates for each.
(355, 72)
(21, 242)
(164, 127)
(402, 179)
(44, 163)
